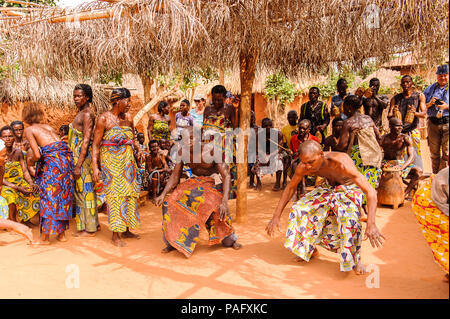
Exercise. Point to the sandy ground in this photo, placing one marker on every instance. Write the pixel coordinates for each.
(263, 268)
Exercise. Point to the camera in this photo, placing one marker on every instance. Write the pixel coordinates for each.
(438, 102)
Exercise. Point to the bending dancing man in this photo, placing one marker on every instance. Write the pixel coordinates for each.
(330, 214)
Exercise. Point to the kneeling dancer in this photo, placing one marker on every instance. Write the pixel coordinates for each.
(330, 214)
(197, 201)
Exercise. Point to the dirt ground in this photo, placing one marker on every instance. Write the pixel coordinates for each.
(263, 268)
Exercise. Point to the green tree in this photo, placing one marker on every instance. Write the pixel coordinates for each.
(280, 91)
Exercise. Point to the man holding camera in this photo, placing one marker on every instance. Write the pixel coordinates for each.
(436, 97)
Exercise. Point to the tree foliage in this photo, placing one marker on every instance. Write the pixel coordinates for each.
(279, 88)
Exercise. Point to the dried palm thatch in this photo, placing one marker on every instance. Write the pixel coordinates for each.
(53, 92)
(296, 37)
(164, 35)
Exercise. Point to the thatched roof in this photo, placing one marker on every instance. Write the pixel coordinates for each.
(403, 61)
(51, 91)
(166, 35)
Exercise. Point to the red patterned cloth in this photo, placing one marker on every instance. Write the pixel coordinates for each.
(193, 204)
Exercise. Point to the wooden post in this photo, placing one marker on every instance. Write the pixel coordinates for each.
(147, 83)
(247, 62)
(221, 76)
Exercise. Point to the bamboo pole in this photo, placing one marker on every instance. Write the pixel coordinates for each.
(103, 14)
(247, 63)
(26, 3)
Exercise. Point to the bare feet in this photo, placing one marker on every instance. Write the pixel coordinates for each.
(117, 242)
(40, 242)
(314, 254)
(360, 269)
(168, 249)
(83, 233)
(25, 231)
(236, 245)
(62, 237)
(128, 234)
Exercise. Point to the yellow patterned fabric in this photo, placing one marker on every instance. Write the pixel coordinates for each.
(85, 197)
(120, 183)
(27, 205)
(433, 222)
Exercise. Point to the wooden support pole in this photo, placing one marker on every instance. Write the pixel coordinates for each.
(147, 83)
(221, 76)
(247, 62)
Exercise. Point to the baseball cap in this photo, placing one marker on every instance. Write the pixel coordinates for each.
(442, 69)
(229, 95)
(199, 97)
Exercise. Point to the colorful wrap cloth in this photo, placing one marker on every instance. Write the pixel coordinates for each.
(4, 210)
(27, 205)
(398, 163)
(160, 130)
(119, 172)
(371, 173)
(54, 177)
(220, 124)
(415, 136)
(85, 196)
(434, 223)
(194, 203)
(327, 216)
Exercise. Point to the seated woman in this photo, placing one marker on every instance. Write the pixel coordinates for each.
(19, 190)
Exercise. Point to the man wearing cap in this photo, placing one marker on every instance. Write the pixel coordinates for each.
(436, 98)
(197, 113)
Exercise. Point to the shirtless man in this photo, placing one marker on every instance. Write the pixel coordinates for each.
(113, 151)
(80, 142)
(18, 187)
(157, 167)
(329, 214)
(394, 145)
(331, 141)
(374, 105)
(199, 195)
(20, 142)
(53, 174)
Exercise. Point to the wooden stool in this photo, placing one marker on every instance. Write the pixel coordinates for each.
(390, 190)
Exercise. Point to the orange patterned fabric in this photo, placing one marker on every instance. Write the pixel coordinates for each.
(194, 204)
(433, 222)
